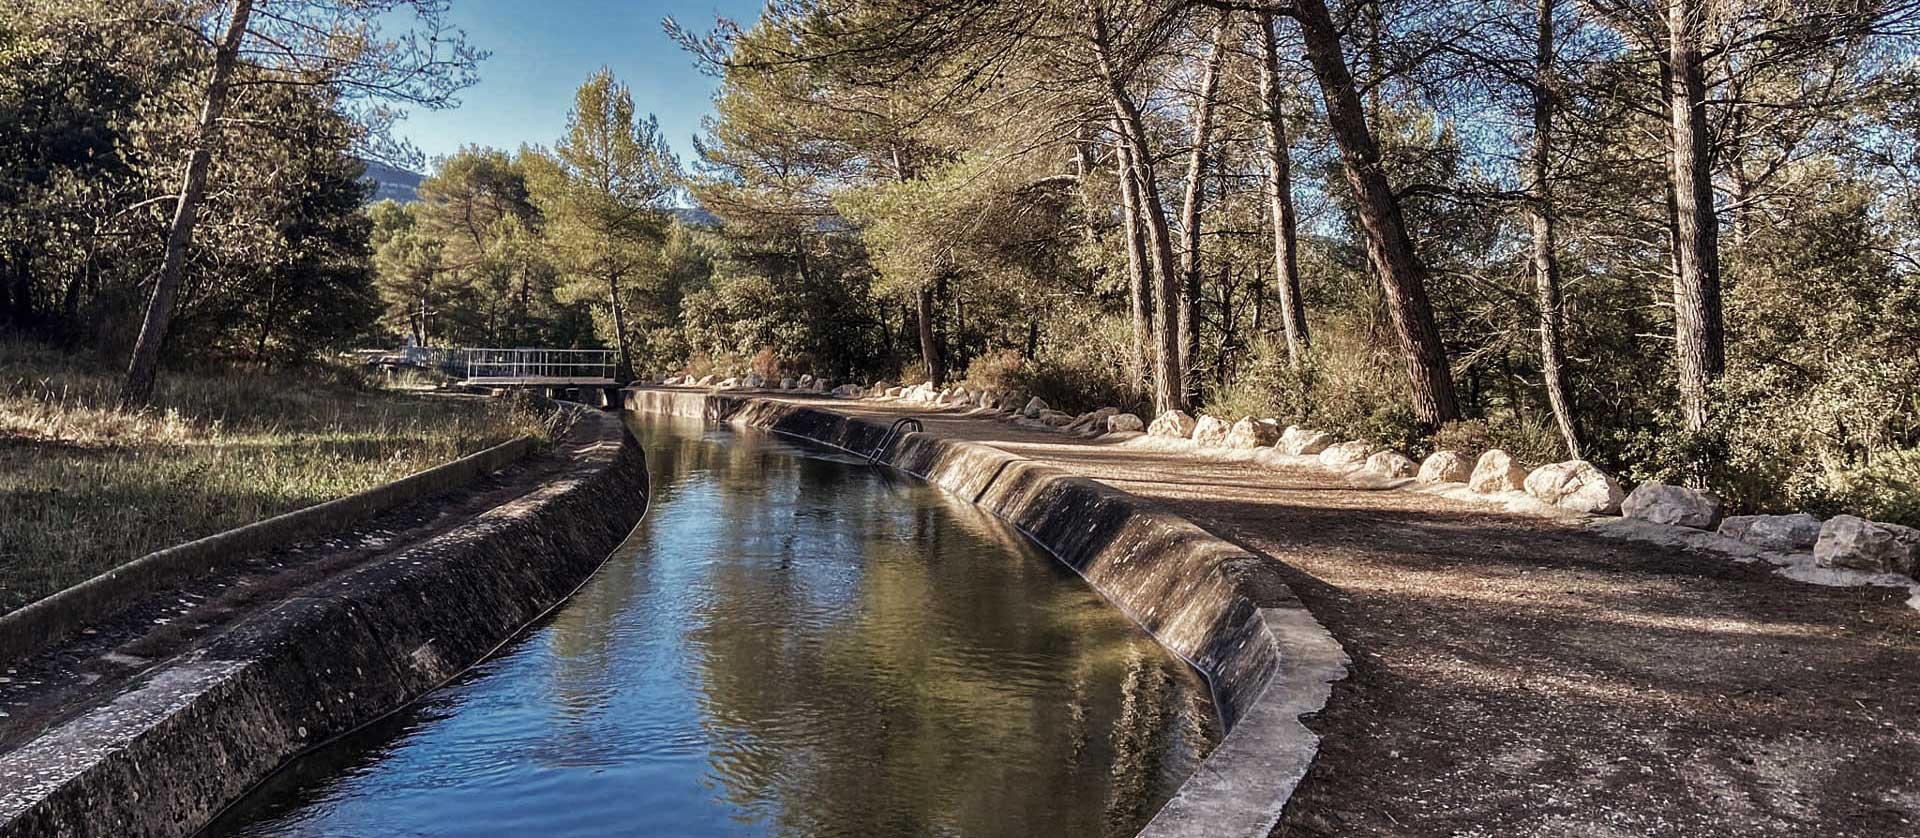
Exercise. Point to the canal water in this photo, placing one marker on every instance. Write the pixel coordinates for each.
(790, 643)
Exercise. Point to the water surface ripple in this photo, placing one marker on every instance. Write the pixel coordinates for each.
(791, 643)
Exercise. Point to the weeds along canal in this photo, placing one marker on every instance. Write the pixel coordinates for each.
(791, 642)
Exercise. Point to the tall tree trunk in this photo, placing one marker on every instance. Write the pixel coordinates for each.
(887, 348)
(70, 300)
(523, 302)
(22, 281)
(930, 342)
(137, 390)
(1546, 260)
(1286, 239)
(6, 289)
(1403, 277)
(1699, 337)
(420, 324)
(1168, 390)
(903, 171)
(1138, 293)
(266, 321)
(623, 371)
(957, 353)
(1201, 136)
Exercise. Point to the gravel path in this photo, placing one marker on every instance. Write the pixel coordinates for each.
(1514, 676)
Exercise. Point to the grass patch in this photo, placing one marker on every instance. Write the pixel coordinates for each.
(85, 487)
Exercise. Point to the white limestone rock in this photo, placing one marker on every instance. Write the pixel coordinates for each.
(1173, 423)
(806, 380)
(1210, 432)
(848, 391)
(1795, 533)
(1392, 464)
(1035, 406)
(1495, 472)
(1093, 420)
(1123, 422)
(1854, 543)
(1302, 442)
(705, 381)
(1253, 433)
(1675, 506)
(728, 383)
(1056, 418)
(753, 382)
(1445, 467)
(1578, 486)
(1347, 454)
(786, 384)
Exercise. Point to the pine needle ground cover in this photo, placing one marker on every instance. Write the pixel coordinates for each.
(85, 487)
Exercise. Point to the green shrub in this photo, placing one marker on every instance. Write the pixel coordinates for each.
(1528, 442)
(1078, 388)
(1346, 388)
(1888, 489)
(914, 372)
(1004, 369)
(766, 364)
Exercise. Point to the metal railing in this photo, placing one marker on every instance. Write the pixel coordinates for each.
(482, 365)
(900, 427)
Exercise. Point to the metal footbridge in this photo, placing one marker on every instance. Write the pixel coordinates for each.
(533, 367)
(515, 367)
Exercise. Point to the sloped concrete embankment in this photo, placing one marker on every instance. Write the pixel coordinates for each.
(1221, 608)
(43, 624)
(165, 757)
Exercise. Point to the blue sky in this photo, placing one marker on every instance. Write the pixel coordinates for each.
(543, 49)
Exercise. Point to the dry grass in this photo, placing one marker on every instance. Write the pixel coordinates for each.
(84, 487)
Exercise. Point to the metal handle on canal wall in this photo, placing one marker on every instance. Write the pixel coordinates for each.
(893, 433)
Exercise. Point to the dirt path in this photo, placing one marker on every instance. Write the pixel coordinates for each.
(1514, 676)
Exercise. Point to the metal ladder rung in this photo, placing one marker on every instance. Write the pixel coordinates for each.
(894, 432)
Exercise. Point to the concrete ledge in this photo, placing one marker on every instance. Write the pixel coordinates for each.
(45, 622)
(1223, 609)
(200, 730)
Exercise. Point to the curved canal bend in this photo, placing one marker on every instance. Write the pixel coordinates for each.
(791, 643)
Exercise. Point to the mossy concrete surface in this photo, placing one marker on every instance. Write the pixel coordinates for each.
(163, 758)
(1221, 608)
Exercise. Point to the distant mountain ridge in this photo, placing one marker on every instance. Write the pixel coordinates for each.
(404, 187)
(695, 216)
(392, 182)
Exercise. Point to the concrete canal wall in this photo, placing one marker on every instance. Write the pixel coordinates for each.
(1221, 608)
(199, 731)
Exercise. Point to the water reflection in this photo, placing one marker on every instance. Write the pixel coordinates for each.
(791, 643)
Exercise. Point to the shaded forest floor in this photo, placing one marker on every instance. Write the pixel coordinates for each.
(1514, 676)
(85, 487)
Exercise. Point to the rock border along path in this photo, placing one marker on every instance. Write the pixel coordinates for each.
(1526, 675)
(1268, 662)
